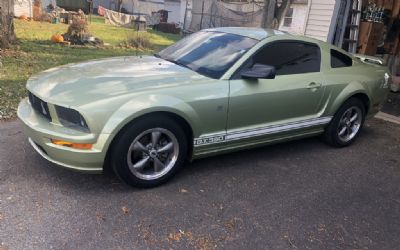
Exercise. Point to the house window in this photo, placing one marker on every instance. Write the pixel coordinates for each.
(287, 22)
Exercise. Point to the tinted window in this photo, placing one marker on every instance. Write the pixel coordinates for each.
(208, 53)
(340, 60)
(290, 57)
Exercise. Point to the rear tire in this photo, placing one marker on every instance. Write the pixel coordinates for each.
(346, 124)
(149, 151)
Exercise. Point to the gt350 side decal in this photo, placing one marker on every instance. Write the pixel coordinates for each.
(237, 135)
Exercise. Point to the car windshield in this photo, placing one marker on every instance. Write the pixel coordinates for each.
(208, 53)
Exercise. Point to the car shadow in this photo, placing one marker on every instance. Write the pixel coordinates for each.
(200, 168)
(192, 172)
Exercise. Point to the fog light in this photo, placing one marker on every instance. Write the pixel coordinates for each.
(72, 144)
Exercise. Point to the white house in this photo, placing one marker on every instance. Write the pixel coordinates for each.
(174, 10)
(311, 18)
(22, 7)
(295, 17)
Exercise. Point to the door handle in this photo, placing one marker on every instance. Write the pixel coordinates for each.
(314, 85)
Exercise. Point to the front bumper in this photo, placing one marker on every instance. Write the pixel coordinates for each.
(40, 132)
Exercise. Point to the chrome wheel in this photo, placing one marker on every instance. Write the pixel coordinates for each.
(350, 124)
(153, 154)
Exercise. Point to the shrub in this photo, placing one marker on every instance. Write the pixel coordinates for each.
(78, 28)
(140, 40)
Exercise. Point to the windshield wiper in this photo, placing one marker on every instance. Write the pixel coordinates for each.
(157, 55)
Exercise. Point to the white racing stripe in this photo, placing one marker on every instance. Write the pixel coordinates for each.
(238, 135)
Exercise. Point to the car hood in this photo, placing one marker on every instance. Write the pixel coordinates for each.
(82, 83)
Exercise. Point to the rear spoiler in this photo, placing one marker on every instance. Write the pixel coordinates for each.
(370, 59)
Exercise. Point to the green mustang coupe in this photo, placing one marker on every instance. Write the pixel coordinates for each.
(215, 91)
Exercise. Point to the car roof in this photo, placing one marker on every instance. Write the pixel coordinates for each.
(251, 32)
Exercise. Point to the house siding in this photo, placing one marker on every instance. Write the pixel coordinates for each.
(319, 19)
(174, 14)
(298, 20)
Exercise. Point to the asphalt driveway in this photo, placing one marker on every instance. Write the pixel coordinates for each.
(297, 195)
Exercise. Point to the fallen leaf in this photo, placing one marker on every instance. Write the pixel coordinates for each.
(100, 216)
(125, 210)
(175, 236)
(231, 224)
(183, 190)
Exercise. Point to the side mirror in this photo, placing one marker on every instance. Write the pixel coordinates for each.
(259, 71)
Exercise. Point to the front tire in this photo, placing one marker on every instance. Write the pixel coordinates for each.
(149, 151)
(346, 124)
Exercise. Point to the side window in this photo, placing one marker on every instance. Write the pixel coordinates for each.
(290, 57)
(340, 60)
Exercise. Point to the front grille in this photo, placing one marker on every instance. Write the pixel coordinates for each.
(39, 106)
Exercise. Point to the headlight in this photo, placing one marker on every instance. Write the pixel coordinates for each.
(71, 119)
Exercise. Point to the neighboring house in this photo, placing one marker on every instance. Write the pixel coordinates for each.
(311, 18)
(319, 19)
(22, 7)
(295, 17)
(174, 10)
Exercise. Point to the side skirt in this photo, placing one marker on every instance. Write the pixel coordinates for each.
(229, 148)
(221, 143)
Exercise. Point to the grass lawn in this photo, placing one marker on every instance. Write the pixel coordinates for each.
(35, 52)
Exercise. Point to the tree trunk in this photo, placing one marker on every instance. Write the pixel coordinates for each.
(269, 13)
(273, 14)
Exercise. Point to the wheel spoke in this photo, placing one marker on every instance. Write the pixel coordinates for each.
(348, 113)
(158, 165)
(167, 148)
(155, 136)
(142, 163)
(342, 131)
(349, 131)
(139, 147)
(354, 118)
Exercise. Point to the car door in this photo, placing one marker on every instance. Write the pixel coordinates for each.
(260, 107)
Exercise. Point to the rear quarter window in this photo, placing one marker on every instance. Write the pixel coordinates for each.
(340, 60)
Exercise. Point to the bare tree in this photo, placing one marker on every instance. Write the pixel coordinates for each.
(273, 13)
(7, 35)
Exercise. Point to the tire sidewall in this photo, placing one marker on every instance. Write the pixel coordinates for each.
(128, 135)
(331, 134)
